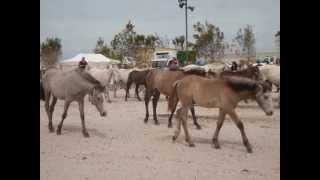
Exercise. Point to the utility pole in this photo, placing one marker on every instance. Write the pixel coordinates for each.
(184, 3)
(186, 13)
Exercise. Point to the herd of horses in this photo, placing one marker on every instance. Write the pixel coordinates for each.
(194, 86)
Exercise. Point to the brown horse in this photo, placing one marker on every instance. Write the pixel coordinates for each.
(160, 82)
(218, 93)
(138, 78)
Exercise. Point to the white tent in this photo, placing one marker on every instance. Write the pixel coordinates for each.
(94, 60)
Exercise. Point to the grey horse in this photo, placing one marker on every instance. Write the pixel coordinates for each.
(72, 85)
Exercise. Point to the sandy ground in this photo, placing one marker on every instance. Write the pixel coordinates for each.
(121, 146)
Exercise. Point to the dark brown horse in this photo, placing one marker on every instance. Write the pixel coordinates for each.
(138, 78)
(252, 72)
(161, 82)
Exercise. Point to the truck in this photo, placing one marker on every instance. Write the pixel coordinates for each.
(161, 58)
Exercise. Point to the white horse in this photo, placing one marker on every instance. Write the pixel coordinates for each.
(106, 77)
(216, 67)
(272, 74)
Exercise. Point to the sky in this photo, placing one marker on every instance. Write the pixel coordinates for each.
(79, 23)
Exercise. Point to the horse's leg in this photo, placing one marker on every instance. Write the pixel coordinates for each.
(194, 118)
(279, 99)
(81, 109)
(155, 100)
(239, 124)
(137, 92)
(278, 87)
(51, 109)
(220, 121)
(107, 95)
(64, 115)
(184, 117)
(146, 102)
(179, 121)
(46, 105)
(115, 91)
(170, 117)
(128, 88)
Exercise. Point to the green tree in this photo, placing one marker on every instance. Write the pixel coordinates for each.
(102, 48)
(123, 42)
(178, 42)
(50, 51)
(246, 40)
(209, 41)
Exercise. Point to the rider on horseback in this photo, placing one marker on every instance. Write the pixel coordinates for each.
(82, 64)
(173, 64)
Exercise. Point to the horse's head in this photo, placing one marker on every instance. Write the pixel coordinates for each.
(264, 96)
(96, 98)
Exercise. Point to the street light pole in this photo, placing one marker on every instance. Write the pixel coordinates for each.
(186, 13)
(191, 8)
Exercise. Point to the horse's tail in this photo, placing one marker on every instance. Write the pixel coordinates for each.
(173, 97)
(41, 91)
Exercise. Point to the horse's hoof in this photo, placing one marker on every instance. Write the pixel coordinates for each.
(51, 129)
(198, 127)
(216, 145)
(192, 145)
(58, 132)
(157, 123)
(174, 138)
(109, 101)
(145, 121)
(85, 134)
(249, 150)
(169, 125)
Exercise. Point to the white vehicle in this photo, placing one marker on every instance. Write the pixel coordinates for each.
(161, 58)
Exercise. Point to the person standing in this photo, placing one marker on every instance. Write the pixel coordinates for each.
(234, 66)
(173, 64)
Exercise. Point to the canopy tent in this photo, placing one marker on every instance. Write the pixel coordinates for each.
(94, 60)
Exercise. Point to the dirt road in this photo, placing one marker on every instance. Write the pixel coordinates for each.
(121, 146)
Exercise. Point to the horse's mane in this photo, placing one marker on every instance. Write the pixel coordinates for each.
(240, 84)
(197, 72)
(243, 73)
